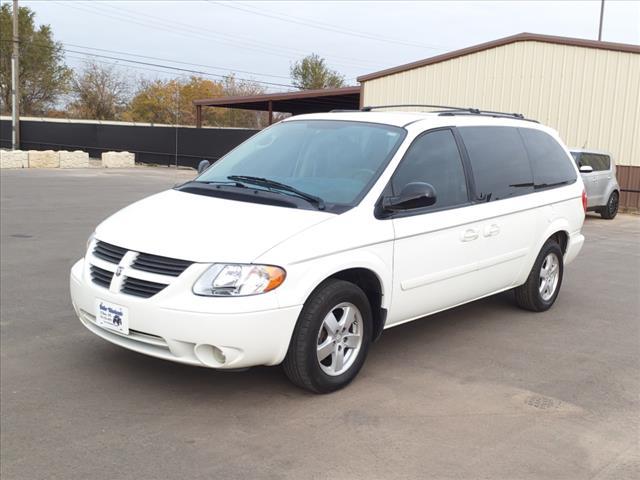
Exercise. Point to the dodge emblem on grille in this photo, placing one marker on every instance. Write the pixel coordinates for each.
(119, 271)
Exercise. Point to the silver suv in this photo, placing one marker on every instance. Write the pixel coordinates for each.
(599, 176)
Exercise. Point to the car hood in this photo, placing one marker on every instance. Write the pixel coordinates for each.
(204, 229)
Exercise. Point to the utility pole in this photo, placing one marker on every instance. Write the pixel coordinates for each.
(15, 82)
(601, 18)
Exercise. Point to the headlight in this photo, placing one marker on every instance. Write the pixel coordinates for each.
(235, 280)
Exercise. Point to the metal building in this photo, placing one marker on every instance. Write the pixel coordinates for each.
(588, 90)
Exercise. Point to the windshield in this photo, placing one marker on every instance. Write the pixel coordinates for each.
(336, 161)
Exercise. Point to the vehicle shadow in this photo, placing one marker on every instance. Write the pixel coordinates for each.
(432, 333)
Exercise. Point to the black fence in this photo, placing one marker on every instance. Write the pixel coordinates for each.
(163, 145)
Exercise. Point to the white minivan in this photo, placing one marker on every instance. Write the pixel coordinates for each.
(305, 242)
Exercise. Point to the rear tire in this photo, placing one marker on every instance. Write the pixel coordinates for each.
(610, 210)
(331, 339)
(541, 289)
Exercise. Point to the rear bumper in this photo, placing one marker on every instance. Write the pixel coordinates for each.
(574, 245)
(203, 338)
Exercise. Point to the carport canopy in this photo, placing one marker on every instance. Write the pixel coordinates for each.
(295, 103)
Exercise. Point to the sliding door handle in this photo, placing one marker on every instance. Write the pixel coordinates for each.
(491, 230)
(469, 235)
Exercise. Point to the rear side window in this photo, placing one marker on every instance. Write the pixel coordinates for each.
(596, 161)
(434, 158)
(550, 163)
(499, 162)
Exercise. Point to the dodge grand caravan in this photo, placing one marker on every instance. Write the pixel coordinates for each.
(305, 242)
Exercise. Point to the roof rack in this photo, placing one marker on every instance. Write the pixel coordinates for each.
(377, 107)
(449, 110)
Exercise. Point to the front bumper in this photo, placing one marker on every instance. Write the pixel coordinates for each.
(205, 332)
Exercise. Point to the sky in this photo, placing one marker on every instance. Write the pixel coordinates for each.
(259, 40)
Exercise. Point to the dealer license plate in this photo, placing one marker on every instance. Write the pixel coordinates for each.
(112, 316)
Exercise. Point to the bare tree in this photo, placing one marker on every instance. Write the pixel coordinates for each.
(232, 117)
(99, 93)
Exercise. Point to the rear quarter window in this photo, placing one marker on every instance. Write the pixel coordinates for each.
(550, 163)
(596, 161)
(499, 162)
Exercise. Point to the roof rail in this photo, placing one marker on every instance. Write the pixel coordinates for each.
(377, 107)
(448, 110)
(488, 113)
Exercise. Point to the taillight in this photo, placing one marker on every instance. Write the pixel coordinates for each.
(584, 200)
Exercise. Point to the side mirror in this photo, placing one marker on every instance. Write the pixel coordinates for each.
(586, 169)
(413, 195)
(203, 165)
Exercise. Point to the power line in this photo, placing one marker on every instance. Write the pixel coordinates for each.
(234, 38)
(198, 72)
(189, 31)
(170, 67)
(321, 25)
(172, 61)
(87, 60)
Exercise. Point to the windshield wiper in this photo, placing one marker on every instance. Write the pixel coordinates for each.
(265, 182)
(222, 182)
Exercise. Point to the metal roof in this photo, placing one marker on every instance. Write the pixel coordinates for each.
(521, 37)
(304, 101)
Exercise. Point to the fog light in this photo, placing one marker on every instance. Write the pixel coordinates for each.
(210, 355)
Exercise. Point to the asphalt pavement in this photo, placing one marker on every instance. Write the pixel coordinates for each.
(484, 391)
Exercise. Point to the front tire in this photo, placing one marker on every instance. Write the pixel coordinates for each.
(331, 339)
(541, 289)
(610, 210)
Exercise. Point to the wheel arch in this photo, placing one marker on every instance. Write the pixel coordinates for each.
(371, 285)
(558, 230)
(373, 278)
(562, 237)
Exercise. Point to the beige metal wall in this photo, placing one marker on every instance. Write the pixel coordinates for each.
(591, 96)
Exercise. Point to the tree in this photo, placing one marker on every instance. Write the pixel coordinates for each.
(312, 72)
(43, 75)
(234, 117)
(171, 101)
(98, 93)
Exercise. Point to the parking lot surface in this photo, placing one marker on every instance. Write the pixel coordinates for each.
(482, 391)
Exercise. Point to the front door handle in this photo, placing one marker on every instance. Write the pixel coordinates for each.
(491, 230)
(469, 235)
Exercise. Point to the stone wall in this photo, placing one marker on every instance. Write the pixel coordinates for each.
(76, 159)
(14, 159)
(43, 159)
(63, 159)
(118, 159)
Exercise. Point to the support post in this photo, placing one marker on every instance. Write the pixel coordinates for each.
(15, 82)
(601, 19)
(270, 112)
(198, 116)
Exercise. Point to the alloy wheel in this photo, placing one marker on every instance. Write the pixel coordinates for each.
(612, 206)
(339, 339)
(549, 276)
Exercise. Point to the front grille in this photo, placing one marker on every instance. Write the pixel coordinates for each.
(161, 265)
(101, 276)
(108, 252)
(141, 288)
